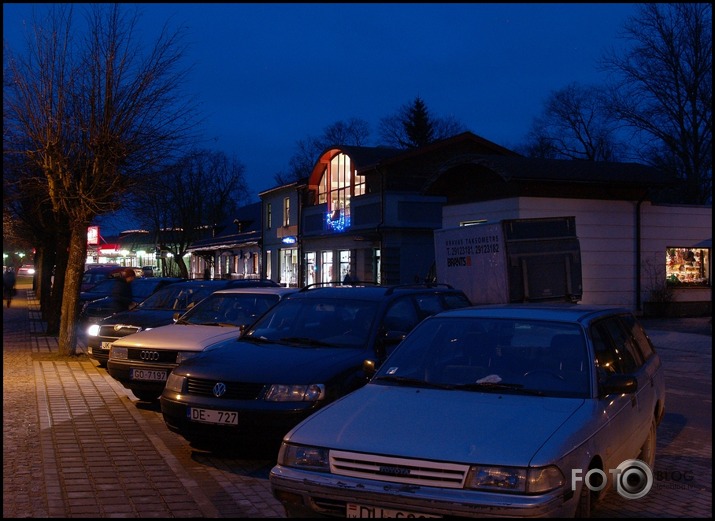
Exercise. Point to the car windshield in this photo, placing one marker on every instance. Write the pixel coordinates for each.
(142, 288)
(492, 355)
(177, 297)
(316, 323)
(229, 309)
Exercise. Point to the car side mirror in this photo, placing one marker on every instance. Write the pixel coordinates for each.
(618, 384)
(369, 367)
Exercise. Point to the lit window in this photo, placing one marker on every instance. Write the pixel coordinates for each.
(687, 266)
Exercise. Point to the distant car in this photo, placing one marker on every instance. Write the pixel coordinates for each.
(497, 411)
(142, 362)
(26, 270)
(150, 271)
(99, 303)
(94, 275)
(305, 352)
(160, 309)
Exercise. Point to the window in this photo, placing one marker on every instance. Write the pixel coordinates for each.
(686, 267)
(345, 268)
(286, 211)
(337, 185)
(269, 216)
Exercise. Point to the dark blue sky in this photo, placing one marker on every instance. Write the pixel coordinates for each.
(267, 75)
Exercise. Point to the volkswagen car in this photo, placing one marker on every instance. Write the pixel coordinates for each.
(495, 411)
(305, 352)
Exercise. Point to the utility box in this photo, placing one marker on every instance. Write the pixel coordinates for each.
(516, 260)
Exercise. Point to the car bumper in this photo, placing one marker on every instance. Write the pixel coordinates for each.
(308, 494)
(98, 354)
(121, 371)
(256, 419)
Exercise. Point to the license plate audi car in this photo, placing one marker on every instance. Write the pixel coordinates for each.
(150, 375)
(488, 411)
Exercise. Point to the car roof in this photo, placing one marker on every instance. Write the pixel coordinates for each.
(270, 290)
(563, 312)
(376, 293)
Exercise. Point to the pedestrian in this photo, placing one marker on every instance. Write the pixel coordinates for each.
(8, 284)
(122, 291)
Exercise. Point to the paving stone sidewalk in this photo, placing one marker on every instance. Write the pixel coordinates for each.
(75, 444)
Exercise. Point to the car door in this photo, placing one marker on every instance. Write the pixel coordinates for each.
(624, 415)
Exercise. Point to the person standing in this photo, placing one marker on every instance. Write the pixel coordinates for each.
(122, 291)
(8, 284)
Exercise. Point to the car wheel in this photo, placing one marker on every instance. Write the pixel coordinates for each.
(647, 453)
(147, 396)
(583, 508)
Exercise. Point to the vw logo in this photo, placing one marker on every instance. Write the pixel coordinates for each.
(219, 389)
(149, 356)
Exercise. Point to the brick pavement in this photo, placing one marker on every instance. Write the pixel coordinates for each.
(77, 444)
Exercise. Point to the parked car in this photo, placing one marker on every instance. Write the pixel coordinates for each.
(99, 303)
(493, 411)
(96, 274)
(141, 362)
(26, 270)
(302, 354)
(160, 309)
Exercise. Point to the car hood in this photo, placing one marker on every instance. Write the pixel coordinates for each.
(241, 360)
(142, 318)
(181, 337)
(458, 426)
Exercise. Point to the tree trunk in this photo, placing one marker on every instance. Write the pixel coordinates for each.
(67, 339)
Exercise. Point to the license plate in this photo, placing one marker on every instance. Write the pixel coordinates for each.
(211, 416)
(355, 511)
(151, 375)
(105, 345)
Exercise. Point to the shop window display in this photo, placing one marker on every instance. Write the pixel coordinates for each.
(687, 266)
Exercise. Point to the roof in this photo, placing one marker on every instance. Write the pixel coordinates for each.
(372, 292)
(562, 312)
(243, 228)
(479, 177)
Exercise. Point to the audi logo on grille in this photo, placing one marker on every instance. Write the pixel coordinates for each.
(149, 356)
(219, 389)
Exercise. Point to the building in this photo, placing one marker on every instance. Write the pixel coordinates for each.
(370, 213)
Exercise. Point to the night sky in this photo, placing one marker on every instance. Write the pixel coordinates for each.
(267, 75)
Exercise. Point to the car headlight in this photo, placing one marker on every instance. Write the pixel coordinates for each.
(175, 383)
(118, 353)
(304, 457)
(93, 330)
(295, 393)
(182, 356)
(514, 479)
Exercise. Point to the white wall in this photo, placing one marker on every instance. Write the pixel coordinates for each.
(607, 236)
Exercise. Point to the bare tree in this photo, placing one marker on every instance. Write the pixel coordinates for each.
(664, 90)
(575, 124)
(353, 132)
(186, 200)
(93, 114)
(412, 126)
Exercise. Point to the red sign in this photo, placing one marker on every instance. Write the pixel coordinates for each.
(93, 235)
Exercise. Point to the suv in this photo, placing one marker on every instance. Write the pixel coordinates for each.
(506, 410)
(160, 309)
(142, 362)
(303, 353)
